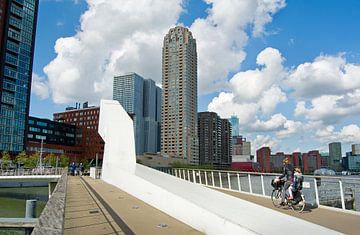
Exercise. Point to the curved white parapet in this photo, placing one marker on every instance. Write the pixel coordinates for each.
(206, 210)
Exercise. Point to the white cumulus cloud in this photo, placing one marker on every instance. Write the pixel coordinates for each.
(256, 93)
(327, 89)
(115, 37)
(40, 87)
(348, 134)
(118, 36)
(221, 37)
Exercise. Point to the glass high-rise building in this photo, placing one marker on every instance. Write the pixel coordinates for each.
(235, 125)
(17, 38)
(179, 101)
(140, 98)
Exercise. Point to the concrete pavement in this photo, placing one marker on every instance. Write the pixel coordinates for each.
(339, 221)
(95, 207)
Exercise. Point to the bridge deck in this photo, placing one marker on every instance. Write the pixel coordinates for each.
(93, 205)
(339, 221)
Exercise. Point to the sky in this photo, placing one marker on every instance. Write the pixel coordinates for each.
(289, 70)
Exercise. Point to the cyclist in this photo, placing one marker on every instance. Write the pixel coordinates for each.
(288, 172)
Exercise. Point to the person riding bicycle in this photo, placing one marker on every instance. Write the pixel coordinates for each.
(296, 183)
(288, 172)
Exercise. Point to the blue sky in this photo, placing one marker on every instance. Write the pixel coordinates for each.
(321, 33)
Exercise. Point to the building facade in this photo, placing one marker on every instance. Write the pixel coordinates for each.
(355, 149)
(179, 136)
(335, 156)
(214, 140)
(17, 39)
(351, 162)
(263, 158)
(52, 137)
(141, 98)
(86, 120)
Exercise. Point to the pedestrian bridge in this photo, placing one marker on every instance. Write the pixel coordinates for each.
(133, 199)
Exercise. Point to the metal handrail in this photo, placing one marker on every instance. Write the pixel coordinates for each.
(33, 171)
(184, 173)
(268, 174)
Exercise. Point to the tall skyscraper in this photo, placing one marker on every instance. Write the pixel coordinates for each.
(234, 120)
(179, 101)
(152, 107)
(140, 98)
(17, 39)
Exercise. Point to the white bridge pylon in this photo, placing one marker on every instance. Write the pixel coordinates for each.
(204, 209)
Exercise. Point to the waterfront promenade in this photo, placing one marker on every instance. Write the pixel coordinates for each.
(95, 207)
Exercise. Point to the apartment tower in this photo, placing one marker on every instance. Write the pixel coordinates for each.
(179, 101)
(17, 37)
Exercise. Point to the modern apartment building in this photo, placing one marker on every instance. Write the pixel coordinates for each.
(179, 136)
(17, 38)
(141, 99)
(214, 140)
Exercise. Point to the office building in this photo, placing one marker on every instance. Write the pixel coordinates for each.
(179, 136)
(355, 149)
(152, 116)
(335, 156)
(214, 140)
(351, 162)
(86, 120)
(141, 98)
(234, 120)
(52, 137)
(17, 38)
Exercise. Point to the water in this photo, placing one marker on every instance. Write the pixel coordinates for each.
(13, 203)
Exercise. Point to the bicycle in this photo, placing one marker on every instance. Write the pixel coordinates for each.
(296, 204)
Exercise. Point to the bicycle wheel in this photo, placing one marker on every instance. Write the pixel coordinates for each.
(300, 206)
(276, 197)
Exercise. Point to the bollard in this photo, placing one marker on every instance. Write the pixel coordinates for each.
(30, 212)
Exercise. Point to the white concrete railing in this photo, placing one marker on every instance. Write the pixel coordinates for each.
(318, 190)
(34, 171)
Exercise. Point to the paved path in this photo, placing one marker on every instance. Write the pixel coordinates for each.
(339, 221)
(118, 212)
(84, 214)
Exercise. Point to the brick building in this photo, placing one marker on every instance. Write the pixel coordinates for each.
(86, 120)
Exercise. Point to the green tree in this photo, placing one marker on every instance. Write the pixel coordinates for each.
(50, 160)
(21, 158)
(32, 160)
(64, 160)
(5, 160)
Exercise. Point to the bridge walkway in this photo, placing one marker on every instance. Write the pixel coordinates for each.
(343, 222)
(93, 205)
